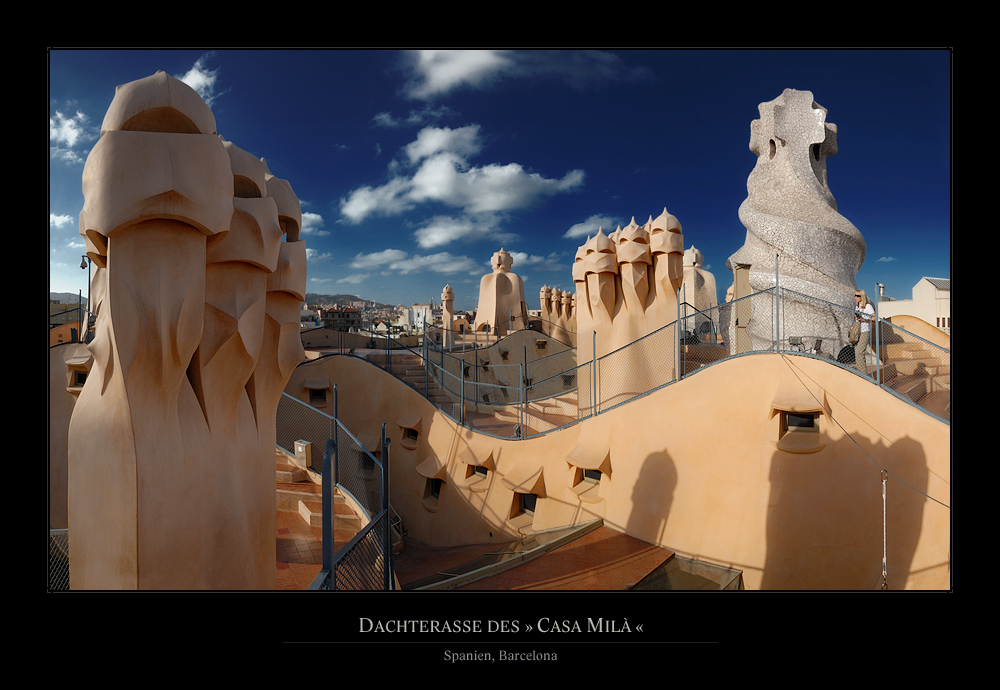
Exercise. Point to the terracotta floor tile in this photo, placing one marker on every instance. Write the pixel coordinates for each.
(603, 559)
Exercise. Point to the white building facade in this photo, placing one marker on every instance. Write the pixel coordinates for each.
(931, 302)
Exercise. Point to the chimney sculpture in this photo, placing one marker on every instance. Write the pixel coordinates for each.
(790, 213)
(172, 440)
(501, 298)
(626, 287)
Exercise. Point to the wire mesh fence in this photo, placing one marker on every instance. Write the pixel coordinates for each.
(58, 559)
(299, 421)
(636, 369)
(776, 319)
(358, 471)
(362, 564)
(365, 562)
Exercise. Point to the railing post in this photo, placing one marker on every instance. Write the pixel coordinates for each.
(388, 517)
(677, 339)
(683, 348)
(520, 371)
(526, 374)
(593, 376)
(878, 332)
(336, 435)
(777, 307)
(327, 509)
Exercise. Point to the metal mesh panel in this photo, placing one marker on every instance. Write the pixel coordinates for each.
(358, 471)
(298, 421)
(361, 565)
(561, 384)
(914, 369)
(58, 559)
(808, 324)
(637, 368)
(555, 402)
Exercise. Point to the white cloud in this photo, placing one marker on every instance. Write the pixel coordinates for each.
(389, 199)
(355, 279)
(313, 256)
(507, 187)
(885, 259)
(441, 230)
(442, 262)
(66, 132)
(312, 224)
(389, 260)
(440, 71)
(462, 142)
(552, 262)
(441, 173)
(437, 72)
(202, 79)
(60, 221)
(377, 259)
(590, 227)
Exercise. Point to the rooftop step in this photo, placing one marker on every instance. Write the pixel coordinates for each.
(913, 387)
(344, 517)
(288, 473)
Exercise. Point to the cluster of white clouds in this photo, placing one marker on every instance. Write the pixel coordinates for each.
(436, 168)
(65, 133)
(69, 133)
(397, 261)
(470, 201)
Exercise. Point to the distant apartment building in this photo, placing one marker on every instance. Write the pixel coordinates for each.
(65, 312)
(344, 319)
(309, 317)
(931, 303)
(413, 318)
(67, 321)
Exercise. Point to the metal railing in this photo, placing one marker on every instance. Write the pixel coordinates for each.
(346, 466)
(507, 399)
(777, 320)
(366, 561)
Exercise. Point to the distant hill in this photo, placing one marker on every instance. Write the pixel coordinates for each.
(67, 297)
(316, 297)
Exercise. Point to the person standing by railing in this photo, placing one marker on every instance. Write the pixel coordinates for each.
(864, 312)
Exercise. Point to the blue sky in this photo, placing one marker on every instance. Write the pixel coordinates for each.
(413, 168)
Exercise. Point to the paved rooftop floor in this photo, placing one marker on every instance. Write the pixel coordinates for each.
(602, 559)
